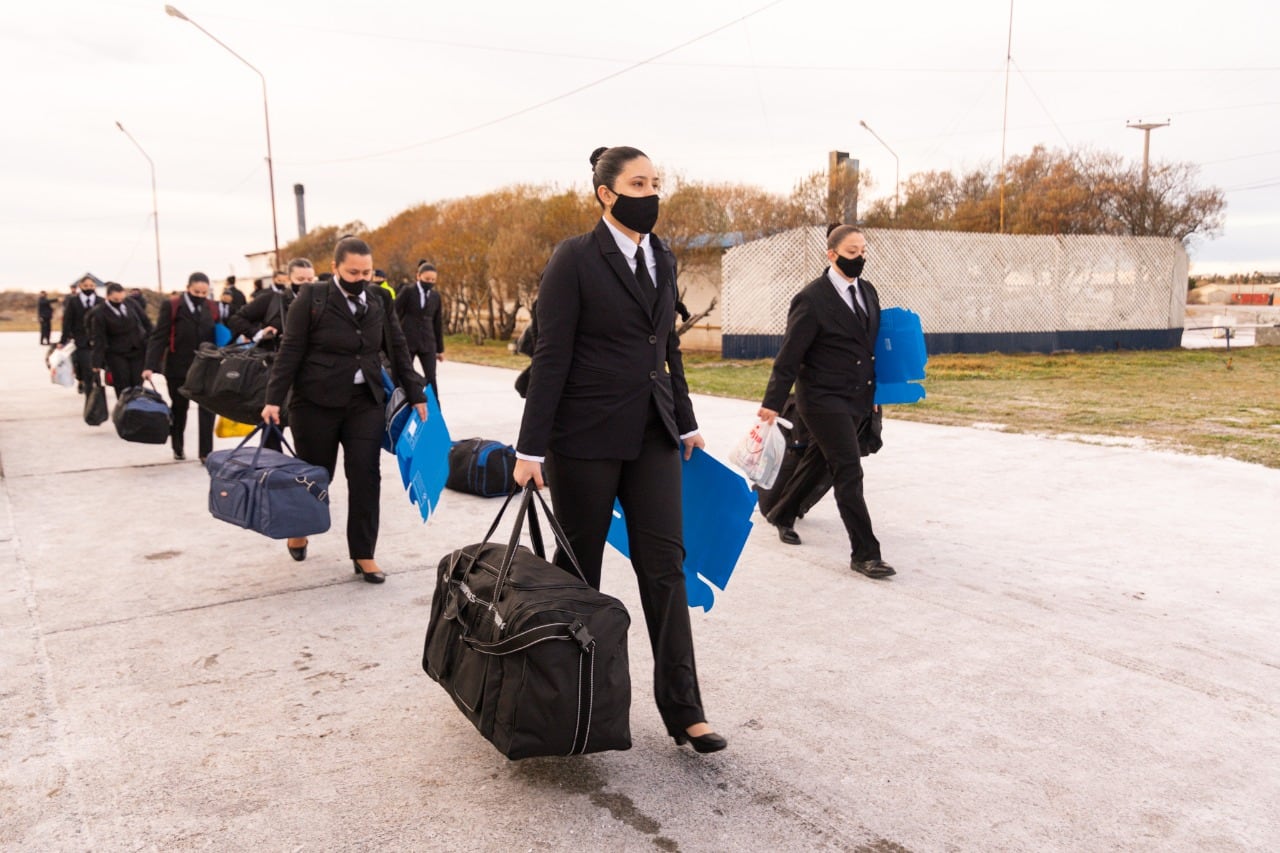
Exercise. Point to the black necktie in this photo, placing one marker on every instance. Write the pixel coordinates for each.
(358, 306)
(642, 276)
(857, 309)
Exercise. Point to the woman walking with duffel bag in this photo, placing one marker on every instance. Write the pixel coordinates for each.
(330, 358)
(608, 410)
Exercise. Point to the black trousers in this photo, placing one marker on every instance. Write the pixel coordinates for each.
(428, 362)
(802, 481)
(82, 364)
(46, 329)
(836, 435)
(125, 369)
(357, 427)
(178, 405)
(582, 494)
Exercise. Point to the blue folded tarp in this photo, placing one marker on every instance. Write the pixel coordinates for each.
(900, 357)
(422, 453)
(717, 520)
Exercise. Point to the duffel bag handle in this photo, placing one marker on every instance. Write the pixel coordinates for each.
(535, 533)
(269, 428)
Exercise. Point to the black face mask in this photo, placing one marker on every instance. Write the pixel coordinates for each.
(354, 288)
(427, 285)
(196, 300)
(851, 267)
(639, 213)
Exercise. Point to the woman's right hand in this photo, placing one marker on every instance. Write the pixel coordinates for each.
(767, 415)
(271, 414)
(527, 470)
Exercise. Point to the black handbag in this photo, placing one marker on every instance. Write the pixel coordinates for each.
(231, 381)
(95, 404)
(279, 496)
(532, 655)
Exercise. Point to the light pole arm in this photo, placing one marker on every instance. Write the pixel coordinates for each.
(266, 113)
(155, 206)
(896, 164)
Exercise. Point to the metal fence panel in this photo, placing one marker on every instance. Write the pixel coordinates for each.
(972, 283)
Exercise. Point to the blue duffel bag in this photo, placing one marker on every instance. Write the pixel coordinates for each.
(278, 495)
(141, 415)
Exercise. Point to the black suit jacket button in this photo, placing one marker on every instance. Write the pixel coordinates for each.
(653, 339)
(868, 381)
(859, 361)
(653, 374)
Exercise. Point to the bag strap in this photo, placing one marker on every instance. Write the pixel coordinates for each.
(575, 631)
(527, 508)
(266, 429)
(173, 323)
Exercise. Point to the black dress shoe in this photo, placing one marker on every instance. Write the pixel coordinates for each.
(702, 743)
(872, 568)
(178, 454)
(298, 554)
(788, 534)
(369, 577)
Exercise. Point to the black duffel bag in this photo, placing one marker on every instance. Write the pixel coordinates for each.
(231, 381)
(141, 415)
(532, 655)
(480, 466)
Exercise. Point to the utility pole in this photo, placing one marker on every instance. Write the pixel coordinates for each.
(1004, 127)
(1146, 128)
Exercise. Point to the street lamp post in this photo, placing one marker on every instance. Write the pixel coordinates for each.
(896, 164)
(271, 177)
(155, 207)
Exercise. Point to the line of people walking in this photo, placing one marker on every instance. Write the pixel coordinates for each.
(608, 414)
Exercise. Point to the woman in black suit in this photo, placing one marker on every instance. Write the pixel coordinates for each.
(185, 322)
(828, 352)
(330, 357)
(608, 410)
(119, 330)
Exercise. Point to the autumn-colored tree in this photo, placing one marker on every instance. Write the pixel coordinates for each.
(1057, 192)
(317, 245)
(820, 202)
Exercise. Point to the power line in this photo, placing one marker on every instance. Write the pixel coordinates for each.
(491, 48)
(552, 100)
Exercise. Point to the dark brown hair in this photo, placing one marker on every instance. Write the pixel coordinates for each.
(350, 246)
(607, 164)
(836, 235)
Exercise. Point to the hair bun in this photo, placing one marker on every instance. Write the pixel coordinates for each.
(597, 154)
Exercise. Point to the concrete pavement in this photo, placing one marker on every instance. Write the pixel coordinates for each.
(1078, 652)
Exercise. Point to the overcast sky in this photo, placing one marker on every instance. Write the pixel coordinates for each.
(382, 104)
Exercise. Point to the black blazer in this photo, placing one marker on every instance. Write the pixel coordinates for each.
(115, 335)
(827, 353)
(318, 357)
(75, 320)
(604, 355)
(268, 308)
(44, 308)
(423, 325)
(176, 337)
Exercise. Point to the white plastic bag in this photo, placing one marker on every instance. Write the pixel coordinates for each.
(759, 453)
(60, 367)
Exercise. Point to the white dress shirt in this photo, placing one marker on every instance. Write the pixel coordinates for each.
(842, 287)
